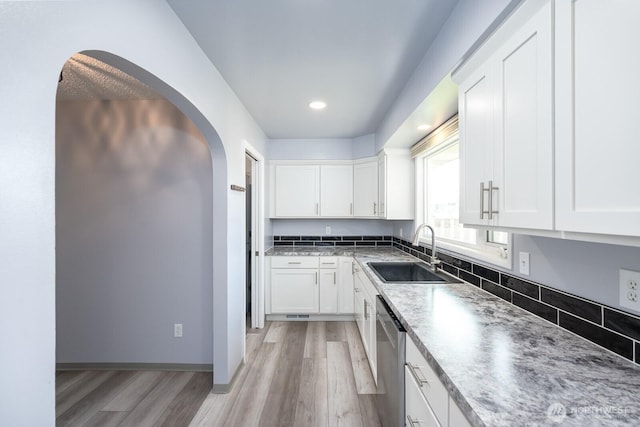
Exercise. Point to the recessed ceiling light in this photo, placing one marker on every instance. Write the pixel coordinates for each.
(317, 105)
(424, 127)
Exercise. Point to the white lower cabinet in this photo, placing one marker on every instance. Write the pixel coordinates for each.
(417, 410)
(294, 285)
(311, 285)
(365, 309)
(427, 401)
(329, 285)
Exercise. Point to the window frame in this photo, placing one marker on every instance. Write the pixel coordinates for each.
(483, 250)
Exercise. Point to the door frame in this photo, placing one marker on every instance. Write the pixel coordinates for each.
(257, 238)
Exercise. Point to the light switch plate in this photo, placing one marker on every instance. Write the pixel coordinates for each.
(177, 330)
(629, 289)
(524, 263)
(327, 230)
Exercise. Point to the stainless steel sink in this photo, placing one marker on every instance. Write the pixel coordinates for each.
(408, 272)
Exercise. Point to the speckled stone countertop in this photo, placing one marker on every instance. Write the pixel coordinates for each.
(502, 365)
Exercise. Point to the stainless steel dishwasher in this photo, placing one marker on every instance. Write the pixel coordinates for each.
(390, 347)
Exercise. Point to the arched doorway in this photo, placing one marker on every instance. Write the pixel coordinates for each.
(217, 210)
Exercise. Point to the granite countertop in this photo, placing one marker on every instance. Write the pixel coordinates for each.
(506, 367)
(502, 365)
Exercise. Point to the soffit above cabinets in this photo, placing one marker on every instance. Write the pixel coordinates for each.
(280, 55)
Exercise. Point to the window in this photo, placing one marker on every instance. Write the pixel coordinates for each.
(438, 195)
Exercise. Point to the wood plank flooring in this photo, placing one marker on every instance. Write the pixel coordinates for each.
(295, 374)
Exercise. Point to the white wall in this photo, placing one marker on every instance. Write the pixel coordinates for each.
(133, 226)
(36, 38)
(339, 227)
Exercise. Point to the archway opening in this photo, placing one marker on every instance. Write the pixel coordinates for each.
(137, 171)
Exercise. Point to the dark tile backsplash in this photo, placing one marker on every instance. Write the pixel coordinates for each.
(607, 339)
(616, 331)
(329, 241)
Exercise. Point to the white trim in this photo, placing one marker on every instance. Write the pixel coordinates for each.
(482, 251)
(258, 215)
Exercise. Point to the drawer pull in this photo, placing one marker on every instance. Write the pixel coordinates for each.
(415, 370)
(328, 263)
(294, 262)
(412, 422)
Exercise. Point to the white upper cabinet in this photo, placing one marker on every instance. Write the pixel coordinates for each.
(597, 92)
(336, 190)
(296, 190)
(506, 132)
(365, 188)
(396, 184)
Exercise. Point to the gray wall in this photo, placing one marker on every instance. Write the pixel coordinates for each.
(133, 234)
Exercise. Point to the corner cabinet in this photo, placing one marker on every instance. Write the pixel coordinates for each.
(395, 173)
(506, 124)
(597, 69)
(365, 188)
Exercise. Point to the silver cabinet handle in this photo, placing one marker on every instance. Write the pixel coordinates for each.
(350, 208)
(366, 312)
(316, 274)
(294, 262)
(491, 190)
(414, 372)
(375, 206)
(334, 278)
(317, 208)
(481, 200)
(412, 422)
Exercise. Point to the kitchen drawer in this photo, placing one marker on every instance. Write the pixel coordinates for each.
(328, 262)
(295, 262)
(433, 390)
(417, 411)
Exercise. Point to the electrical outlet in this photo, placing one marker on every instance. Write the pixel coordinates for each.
(327, 230)
(177, 330)
(629, 292)
(524, 263)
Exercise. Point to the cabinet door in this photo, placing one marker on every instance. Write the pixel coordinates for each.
(345, 286)
(597, 69)
(297, 190)
(336, 190)
(365, 189)
(523, 164)
(294, 291)
(475, 100)
(358, 307)
(370, 333)
(329, 291)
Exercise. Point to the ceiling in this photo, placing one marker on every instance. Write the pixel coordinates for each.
(86, 78)
(279, 55)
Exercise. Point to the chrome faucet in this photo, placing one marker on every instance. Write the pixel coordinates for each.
(433, 259)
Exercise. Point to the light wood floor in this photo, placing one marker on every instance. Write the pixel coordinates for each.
(296, 374)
